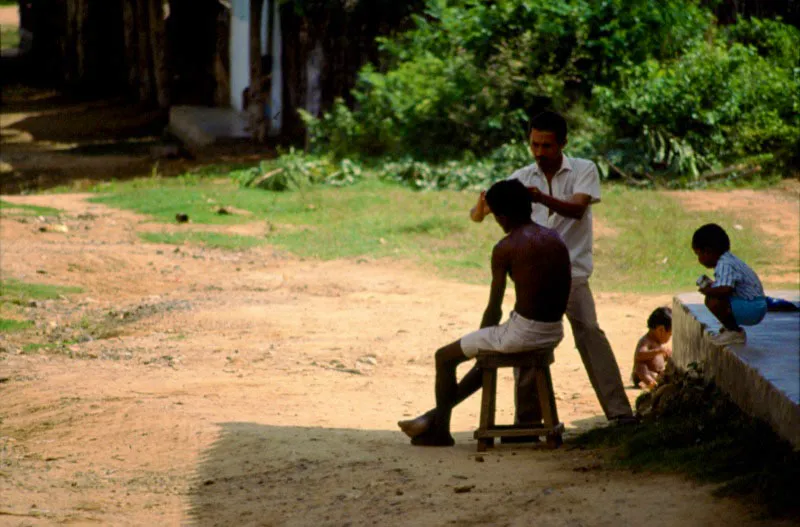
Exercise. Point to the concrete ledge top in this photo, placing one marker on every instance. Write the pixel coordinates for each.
(200, 126)
(773, 346)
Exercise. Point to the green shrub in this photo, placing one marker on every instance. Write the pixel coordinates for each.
(295, 170)
(716, 105)
(467, 75)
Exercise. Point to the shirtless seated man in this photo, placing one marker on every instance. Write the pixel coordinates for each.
(538, 262)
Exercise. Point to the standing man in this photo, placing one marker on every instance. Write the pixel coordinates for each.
(563, 189)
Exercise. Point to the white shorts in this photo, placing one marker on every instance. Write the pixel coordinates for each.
(514, 335)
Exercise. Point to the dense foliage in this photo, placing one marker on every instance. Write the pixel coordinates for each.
(653, 88)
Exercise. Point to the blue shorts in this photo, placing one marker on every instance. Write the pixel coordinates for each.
(748, 312)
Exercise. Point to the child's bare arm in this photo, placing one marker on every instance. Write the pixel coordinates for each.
(646, 352)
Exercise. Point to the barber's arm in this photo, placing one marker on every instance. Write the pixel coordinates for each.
(494, 309)
(481, 208)
(574, 207)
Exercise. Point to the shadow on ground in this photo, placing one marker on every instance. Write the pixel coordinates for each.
(270, 475)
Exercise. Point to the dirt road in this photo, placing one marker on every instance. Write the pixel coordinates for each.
(205, 387)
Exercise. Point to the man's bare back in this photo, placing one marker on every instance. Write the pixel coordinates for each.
(538, 262)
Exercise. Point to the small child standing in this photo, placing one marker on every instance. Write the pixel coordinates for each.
(652, 350)
(735, 296)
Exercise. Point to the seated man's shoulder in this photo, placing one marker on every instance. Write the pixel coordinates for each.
(552, 235)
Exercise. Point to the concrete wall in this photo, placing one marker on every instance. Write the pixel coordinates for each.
(761, 377)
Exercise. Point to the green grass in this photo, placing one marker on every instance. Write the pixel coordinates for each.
(372, 219)
(8, 325)
(17, 292)
(27, 210)
(650, 253)
(207, 239)
(652, 250)
(35, 347)
(9, 36)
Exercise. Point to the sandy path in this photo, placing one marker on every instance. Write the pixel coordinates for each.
(254, 388)
(9, 15)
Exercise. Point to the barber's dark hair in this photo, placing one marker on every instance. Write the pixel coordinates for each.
(661, 316)
(510, 198)
(711, 236)
(550, 121)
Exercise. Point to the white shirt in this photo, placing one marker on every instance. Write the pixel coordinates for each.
(576, 176)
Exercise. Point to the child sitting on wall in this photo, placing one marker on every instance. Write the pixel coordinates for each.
(652, 350)
(735, 296)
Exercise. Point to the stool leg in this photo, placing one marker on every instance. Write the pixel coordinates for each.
(547, 399)
(487, 407)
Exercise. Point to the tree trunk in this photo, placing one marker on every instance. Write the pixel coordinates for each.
(256, 92)
(131, 44)
(157, 45)
(222, 75)
(145, 63)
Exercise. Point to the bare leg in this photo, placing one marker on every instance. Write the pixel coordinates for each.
(646, 376)
(438, 432)
(469, 384)
(721, 308)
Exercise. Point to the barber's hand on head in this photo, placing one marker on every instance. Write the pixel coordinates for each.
(535, 193)
(484, 206)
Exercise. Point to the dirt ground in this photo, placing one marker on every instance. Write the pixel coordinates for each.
(206, 387)
(214, 388)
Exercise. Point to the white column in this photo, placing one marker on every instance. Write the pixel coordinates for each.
(239, 51)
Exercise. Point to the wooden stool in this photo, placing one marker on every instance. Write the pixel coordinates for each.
(540, 360)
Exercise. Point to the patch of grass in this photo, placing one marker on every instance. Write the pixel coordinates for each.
(35, 347)
(652, 251)
(20, 293)
(27, 210)
(8, 325)
(700, 432)
(379, 219)
(9, 36)
(199, 199)
(208, 239)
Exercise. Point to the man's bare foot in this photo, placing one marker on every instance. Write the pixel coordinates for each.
(414, 427)
(432, 438)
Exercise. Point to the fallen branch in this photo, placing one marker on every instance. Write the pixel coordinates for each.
(266, 176)
(625, 176)
(728, 170)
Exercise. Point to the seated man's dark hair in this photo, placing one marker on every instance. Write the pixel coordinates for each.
(661, 316)
(510, 198)
(550, 121)
(711, 236)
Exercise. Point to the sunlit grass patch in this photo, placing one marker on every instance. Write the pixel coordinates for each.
(16, 209)
(652, 250)
(206, 239)
(201, 202)
(9, 36)
(35, 347)
(18, 292)
(8, 325)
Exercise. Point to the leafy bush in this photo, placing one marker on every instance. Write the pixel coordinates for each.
(718, 104)
(295, 170)
(650, 88)
(469, 73)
